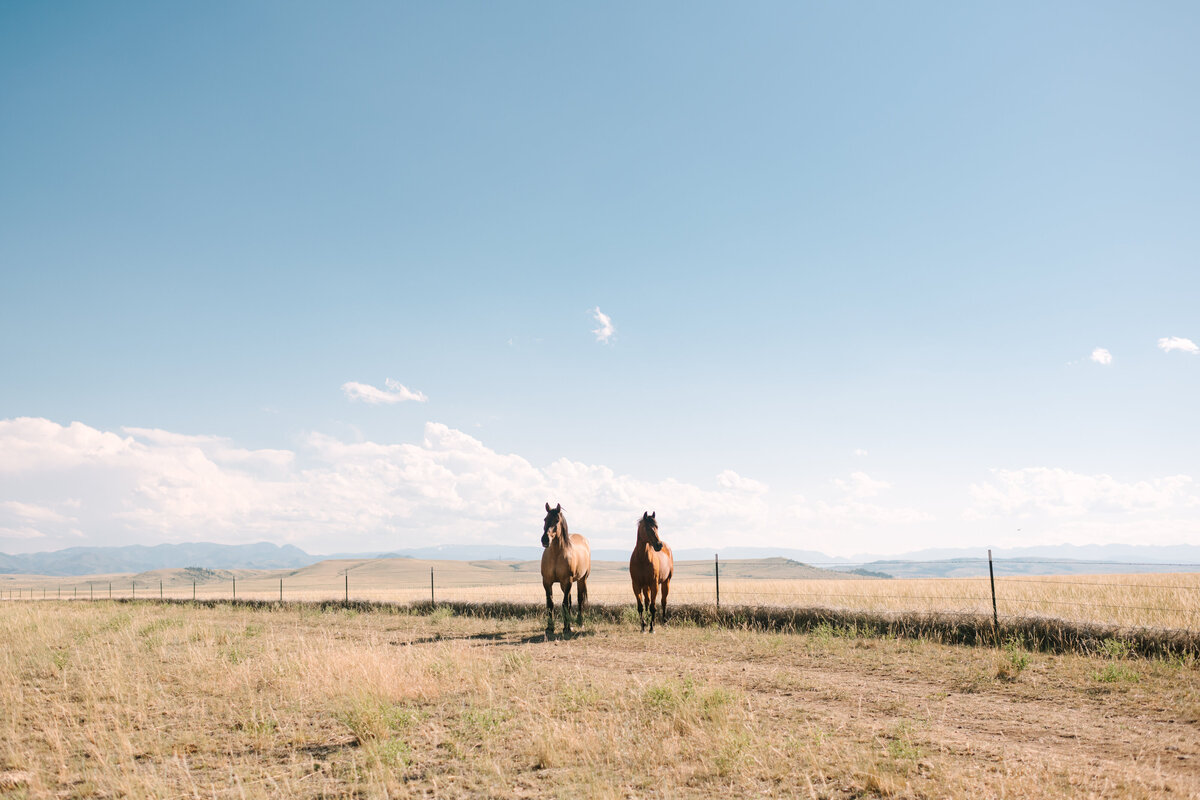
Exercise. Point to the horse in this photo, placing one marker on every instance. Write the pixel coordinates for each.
(651, 567)
(567, 559)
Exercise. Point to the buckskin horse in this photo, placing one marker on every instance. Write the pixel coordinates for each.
(651, 567)
(567, 559)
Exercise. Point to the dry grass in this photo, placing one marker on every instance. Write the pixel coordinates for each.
(160, 700)
(1161, 601)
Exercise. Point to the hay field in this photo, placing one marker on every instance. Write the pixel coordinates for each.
(1166, 601)
(153, 700)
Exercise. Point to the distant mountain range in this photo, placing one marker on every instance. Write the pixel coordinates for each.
(140, 558)
(957, 562)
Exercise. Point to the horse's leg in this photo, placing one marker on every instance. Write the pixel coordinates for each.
(549, 607)
(666, 586)
(566, 604)
(582, 592)
(637, 592)
(653, 589)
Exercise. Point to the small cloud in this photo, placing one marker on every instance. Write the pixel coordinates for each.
(396, 393)
(1169, 343)
(738, 483)
(861, 485)
(606, 329)
(1102, 356)
(858, 451)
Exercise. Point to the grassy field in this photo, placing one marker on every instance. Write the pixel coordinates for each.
(159, 700)
(1169, 601)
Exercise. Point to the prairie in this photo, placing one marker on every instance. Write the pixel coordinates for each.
(1160, 601)
(173, 700)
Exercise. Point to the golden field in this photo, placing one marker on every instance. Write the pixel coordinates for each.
(1161, 601)
(152, 700)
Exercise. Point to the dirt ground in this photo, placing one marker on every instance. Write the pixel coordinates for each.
(147, 700)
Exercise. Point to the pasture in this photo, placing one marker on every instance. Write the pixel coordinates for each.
(174, 700)
(1157, 601)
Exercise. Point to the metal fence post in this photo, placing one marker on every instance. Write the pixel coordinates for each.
(717, 572)
(992, 579)
(431, 587)
(347, 595)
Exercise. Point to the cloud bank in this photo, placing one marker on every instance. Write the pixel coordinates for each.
(63, 485)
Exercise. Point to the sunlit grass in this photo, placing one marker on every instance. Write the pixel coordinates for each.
(1169, 601)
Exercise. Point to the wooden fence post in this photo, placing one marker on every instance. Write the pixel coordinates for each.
(281, 590)
(431, 588)
(235, 587)
(347, 596)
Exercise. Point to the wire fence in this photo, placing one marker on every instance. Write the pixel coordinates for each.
(1167, 601)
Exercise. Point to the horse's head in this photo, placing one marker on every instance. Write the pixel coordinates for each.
(555, 524)
(648, 531)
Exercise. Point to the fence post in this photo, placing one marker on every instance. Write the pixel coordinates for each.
(133, 589)
(235, 587)
(193, 591)
(995, 615)
(717, 572)
(160, 597)
(110, 590)
(91, 594)
(347, 576)
(431, 587)
(281, 590)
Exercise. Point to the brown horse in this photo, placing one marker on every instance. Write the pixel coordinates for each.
(651, 567)
(567, 559)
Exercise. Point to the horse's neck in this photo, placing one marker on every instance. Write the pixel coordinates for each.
(564, 539)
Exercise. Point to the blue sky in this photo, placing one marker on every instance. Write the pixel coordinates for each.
(857, 260)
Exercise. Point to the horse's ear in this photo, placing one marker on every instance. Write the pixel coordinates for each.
(645, 514)
(652, 514)
(558, 507)
(547, 506)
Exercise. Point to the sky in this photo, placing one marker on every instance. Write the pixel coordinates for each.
(359, 276)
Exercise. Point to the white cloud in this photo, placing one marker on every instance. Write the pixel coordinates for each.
(1169, 343)
(861, 485)
(397, 393)
(331, 495)
(860, 452)
(69, 484)
(1062, 493)
(1101, 356)
(731, 480)
(606, 329)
